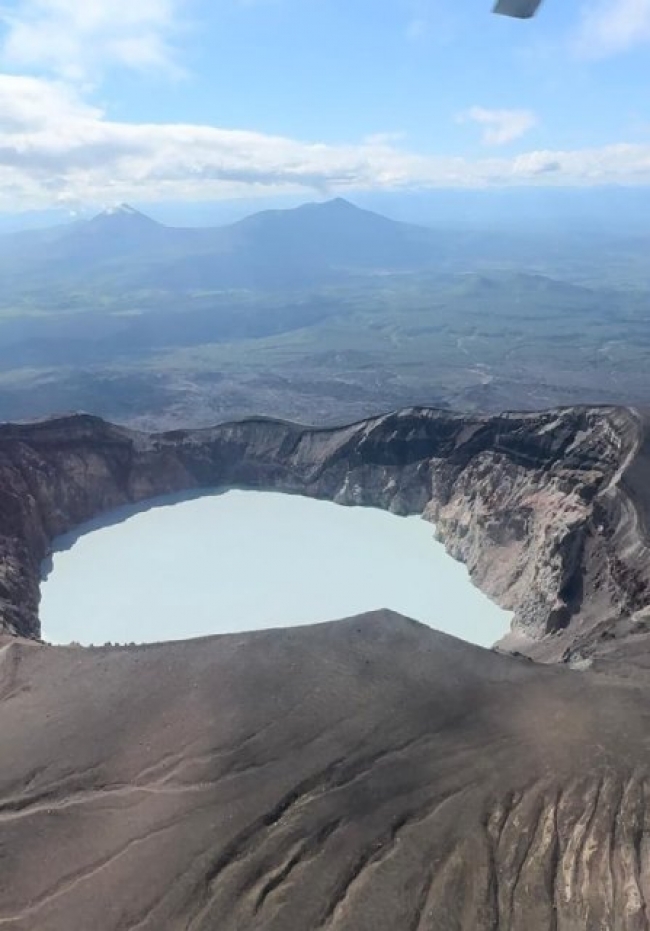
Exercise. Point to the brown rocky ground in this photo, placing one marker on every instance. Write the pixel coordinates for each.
(365, 774)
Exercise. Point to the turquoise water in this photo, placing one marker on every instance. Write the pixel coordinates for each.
(245, 560)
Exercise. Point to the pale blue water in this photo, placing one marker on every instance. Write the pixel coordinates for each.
(245, 560)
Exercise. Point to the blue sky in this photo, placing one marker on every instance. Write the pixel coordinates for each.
(159, 100)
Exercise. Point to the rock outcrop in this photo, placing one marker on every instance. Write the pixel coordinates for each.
(539, 506)
(364, 775)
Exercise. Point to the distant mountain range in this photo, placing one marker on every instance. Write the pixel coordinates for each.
(322, 312)
(121, 250)
(615, 209)
(308, 244)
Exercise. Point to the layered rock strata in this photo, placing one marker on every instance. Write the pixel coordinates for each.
(543, 508)
(364, 775)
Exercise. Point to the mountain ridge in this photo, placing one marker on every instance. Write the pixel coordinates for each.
(538, 506)
(311, 243)
(363, 775)
(366, 774)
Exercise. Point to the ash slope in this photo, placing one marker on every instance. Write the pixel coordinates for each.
(547, 510)
(369, 775)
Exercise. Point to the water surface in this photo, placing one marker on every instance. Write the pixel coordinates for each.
(245, 560)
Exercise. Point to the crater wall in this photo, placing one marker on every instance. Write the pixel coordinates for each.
(544, 508)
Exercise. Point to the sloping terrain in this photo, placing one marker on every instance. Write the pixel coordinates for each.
(363, 774)
(311, 243)
(369, 775)
(322, 313)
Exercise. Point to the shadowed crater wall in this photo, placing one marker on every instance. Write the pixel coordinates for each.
(364, 775)
(543, 508)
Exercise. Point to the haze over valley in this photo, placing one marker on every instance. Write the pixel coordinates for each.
(321, 313)
(324, 465)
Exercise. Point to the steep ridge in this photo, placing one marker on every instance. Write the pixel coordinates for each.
(367, 775)
(364, 775)
(539, 506)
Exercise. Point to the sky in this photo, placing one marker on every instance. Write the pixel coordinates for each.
(104, 101)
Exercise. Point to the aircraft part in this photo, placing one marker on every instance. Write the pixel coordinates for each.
(522, 9)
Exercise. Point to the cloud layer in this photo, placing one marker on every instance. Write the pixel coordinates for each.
(500, 126)
(609, 27)
(57, 149)
(76, 39)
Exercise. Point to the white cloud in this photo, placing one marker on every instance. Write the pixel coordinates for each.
(76, 39)
(56, 149)
(611, 26)
(500, 126)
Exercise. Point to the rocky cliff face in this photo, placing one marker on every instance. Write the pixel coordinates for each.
(536, 505)
(367, 775)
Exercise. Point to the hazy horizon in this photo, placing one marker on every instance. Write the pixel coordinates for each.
(619, 209)
(159, 104)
